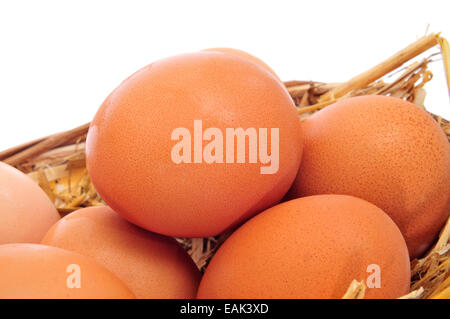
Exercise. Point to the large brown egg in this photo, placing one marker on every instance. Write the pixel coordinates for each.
(151, 265)
(26, 212)
(311, 247)
(32, 271)
(384, 150)
(195, 144)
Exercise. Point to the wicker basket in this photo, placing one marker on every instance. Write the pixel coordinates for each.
(57, 162)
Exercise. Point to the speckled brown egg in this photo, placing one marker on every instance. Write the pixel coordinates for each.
(151, 265)
(384, 150)
(159, 154)
(311, 247)
(26, 212)
(32, 271)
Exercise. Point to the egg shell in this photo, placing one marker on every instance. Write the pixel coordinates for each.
(311, 247)
(247, 56)
(129, 144)
(384, 150)
(151, 265)
(26, 212)
(33, 271)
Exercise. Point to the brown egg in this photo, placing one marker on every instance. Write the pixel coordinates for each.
(32, 271)
(151, 265)
(26, 213)
(158, 152)
(384, 150)
(311, 247)
(247, 56)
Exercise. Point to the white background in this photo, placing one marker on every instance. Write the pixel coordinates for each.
(60, 59)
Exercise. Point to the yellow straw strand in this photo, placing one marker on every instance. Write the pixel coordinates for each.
(445, 49)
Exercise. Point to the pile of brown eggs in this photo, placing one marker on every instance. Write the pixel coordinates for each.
(207, 143)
